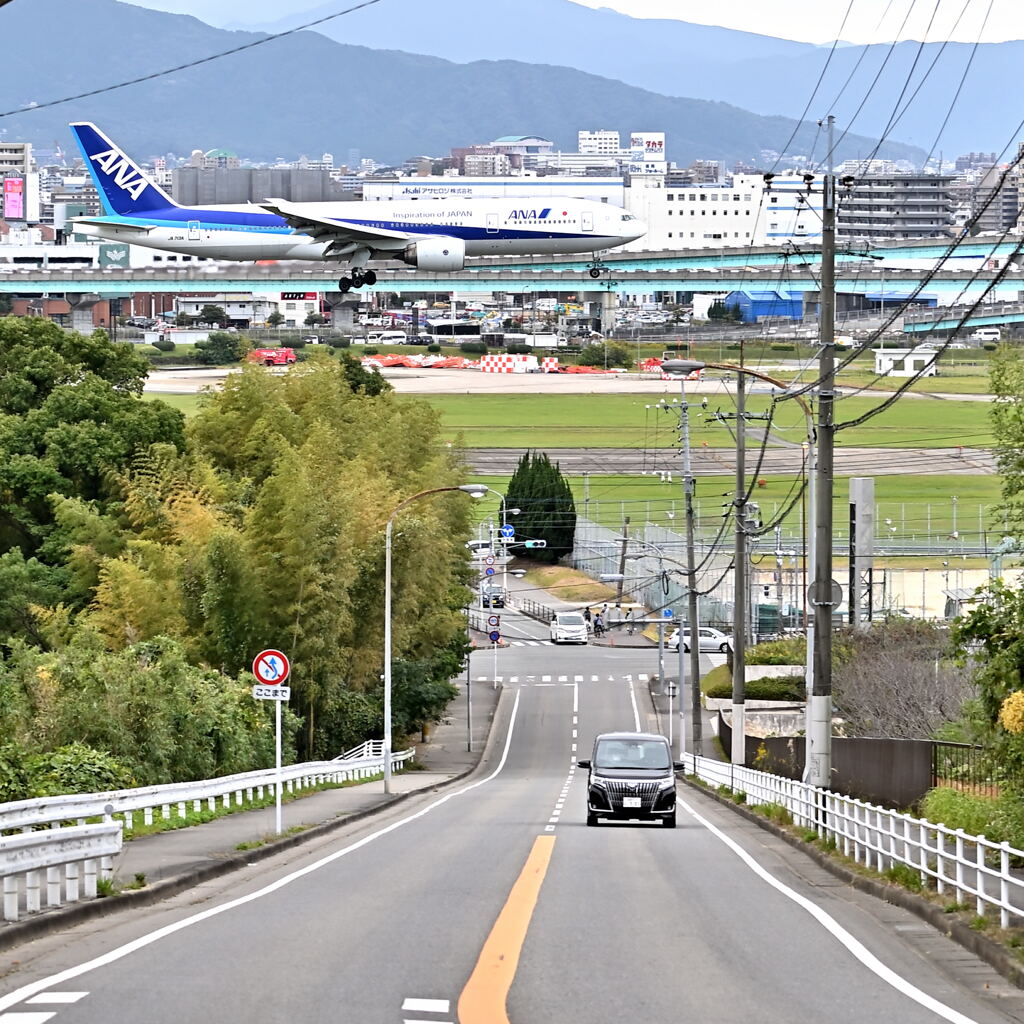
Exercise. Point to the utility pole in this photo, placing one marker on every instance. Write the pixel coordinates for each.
(738, 755)
(778, 575)
(691, 586)
(622, 559)
(819, 739)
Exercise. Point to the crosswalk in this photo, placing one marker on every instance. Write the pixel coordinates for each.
(529, 643)
(564, 680)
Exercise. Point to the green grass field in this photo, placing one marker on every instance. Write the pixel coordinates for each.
(627, 421)
(918, 506)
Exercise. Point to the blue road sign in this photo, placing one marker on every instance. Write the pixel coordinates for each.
(489, 571)
(667, 613)
(508, 530)
(494, 635)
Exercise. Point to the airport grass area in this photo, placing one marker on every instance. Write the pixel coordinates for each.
(553, 421)
(919, 507)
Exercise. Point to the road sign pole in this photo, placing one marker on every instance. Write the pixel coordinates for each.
(277, 746)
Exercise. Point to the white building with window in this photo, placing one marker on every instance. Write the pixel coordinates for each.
(906, 362)
(741, 213)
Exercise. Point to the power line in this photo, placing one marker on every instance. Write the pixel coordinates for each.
(191, 64)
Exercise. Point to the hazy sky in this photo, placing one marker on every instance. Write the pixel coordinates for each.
(816, 22)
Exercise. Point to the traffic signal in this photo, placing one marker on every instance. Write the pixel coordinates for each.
(535, 544)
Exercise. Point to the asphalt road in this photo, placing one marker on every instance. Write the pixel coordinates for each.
(494, 893)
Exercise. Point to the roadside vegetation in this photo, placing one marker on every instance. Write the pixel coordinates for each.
(144, 561)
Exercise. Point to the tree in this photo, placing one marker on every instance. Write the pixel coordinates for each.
(70, 416)
(222, 347)
(1006, 373)
(183, 320)
(718, 311)
(990, 639)
(605, 354)
(548, 511)
(314, 319)
(211, 314)
(897, 680)
(275, 319)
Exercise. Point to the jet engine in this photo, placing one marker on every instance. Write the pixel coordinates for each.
(436, 254)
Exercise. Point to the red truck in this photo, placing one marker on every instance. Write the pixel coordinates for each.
(272, 356)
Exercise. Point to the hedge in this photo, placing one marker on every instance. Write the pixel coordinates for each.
(784, 688)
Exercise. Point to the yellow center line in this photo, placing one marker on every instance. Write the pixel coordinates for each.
(483, 999)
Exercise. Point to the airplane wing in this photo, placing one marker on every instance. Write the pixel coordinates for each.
(342, 231)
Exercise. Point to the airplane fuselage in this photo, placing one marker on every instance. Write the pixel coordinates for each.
(488, 227)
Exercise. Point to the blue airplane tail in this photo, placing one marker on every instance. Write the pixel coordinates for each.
(124, 188)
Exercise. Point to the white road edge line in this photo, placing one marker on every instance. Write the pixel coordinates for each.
(35, 987)
(831, 925)
(636, 710)
(58, 997)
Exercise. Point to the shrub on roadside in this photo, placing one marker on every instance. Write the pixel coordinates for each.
(434, 348)
(77, 768)
(788, 651)
(518, 348)
(164, 345)
(473, 348)
(786, 688)
(974, 813)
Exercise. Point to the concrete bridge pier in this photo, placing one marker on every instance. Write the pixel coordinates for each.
(81, 304)
(343, 310)
(607, 300)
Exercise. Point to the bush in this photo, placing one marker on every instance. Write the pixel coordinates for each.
(163, 359)
(77, 768)
(299, 342)
(164, 345)
(955, 809)
(370, 350)
(15, 781)
(782, 346)
(222, 347)
(473, 348)
(337, 341)
(609, 354)
(787, 688)
(990, 346)
(789, 651)
(733, 346)
(518, 348)
(434, 348)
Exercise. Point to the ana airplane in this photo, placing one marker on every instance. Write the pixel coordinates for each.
(433, 235)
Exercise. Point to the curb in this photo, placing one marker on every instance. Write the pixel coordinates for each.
(48, 922)
(949, 925)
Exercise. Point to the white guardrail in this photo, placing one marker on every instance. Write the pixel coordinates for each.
(50, 833)
(950, 860)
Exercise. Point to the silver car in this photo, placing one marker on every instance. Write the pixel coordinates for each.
(711, 641)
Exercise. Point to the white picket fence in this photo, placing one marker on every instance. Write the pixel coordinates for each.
(948, 860)
(50, 833)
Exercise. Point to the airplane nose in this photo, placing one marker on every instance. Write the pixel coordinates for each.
(638, 230)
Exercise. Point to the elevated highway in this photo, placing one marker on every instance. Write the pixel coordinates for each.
(860, 272)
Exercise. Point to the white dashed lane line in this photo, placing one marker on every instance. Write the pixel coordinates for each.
(425, 1006)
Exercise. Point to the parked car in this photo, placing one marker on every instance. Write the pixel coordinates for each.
(569, 628)
(710, 640)
(632, 777)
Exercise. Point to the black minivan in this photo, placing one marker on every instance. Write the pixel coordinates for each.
(632, 777)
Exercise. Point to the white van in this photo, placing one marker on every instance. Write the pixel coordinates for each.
(987, 334)
(386, 338)
(569, 628)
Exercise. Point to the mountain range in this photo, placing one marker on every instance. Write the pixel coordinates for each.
(758, 73)
(306, 93)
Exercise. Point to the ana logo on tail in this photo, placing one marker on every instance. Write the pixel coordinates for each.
(125, 176)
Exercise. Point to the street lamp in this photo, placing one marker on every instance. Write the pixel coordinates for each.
(682, 368)
(504, 513)
(475, 491)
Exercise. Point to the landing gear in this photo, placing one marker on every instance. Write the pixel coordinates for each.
(357, 280)
(596, 267)
(594, 272)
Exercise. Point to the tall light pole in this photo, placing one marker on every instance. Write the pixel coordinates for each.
(683, 367)
(474, 490)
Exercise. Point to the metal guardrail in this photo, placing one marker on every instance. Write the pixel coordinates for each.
(43, 837)
(536, 610)
(949, 860)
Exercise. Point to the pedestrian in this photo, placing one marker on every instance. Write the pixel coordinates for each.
(598, 624)
(586, 615)
(630, 623)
